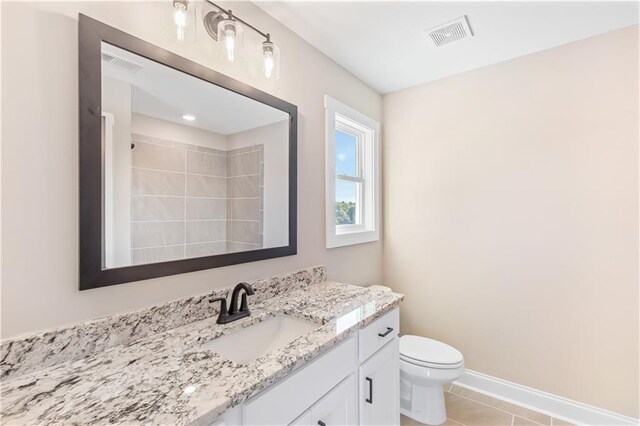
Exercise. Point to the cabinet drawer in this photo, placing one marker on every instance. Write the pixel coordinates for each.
(286, 400)
(379, 333)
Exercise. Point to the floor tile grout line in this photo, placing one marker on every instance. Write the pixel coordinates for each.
(482, 403)
(510, 403)
(495, 408)
(500, 409)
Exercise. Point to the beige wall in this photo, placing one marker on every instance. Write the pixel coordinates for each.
(40, 161)
(511, 217)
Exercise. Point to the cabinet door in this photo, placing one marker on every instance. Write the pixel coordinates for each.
(379, 387)
(338, 407)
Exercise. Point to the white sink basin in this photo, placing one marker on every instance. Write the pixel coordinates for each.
(248, 344)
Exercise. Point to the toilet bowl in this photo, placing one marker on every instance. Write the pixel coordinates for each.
(426, 365)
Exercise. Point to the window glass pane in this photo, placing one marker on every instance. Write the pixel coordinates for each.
(346, 154)
(346, 199)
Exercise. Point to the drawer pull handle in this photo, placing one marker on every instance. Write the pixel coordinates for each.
(370, 399)
(386, 333)
(321, 423)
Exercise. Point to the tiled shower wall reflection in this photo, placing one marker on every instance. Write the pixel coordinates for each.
(191, 201)
(245, 200)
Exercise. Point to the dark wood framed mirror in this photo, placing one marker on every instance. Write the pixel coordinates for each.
(181, 168)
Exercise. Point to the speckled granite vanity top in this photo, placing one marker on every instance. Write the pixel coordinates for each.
(169, 378)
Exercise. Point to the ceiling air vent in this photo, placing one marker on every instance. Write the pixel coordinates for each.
(453, 31)
(121, 63)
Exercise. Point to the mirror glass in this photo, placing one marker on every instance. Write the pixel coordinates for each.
(190, 169)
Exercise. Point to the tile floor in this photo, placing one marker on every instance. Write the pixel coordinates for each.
(469, 408)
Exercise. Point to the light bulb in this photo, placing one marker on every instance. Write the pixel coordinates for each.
(230, 38)
(268, 64)
(270, 60)
(230, 44)
(180, 18)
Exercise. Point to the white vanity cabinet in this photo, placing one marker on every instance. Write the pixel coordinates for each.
(356, 382)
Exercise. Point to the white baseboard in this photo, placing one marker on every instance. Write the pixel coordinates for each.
(543, 402)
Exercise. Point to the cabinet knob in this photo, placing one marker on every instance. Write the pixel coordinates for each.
(321, 423)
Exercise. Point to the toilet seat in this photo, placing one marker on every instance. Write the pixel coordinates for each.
(429, 353)
(431, 365)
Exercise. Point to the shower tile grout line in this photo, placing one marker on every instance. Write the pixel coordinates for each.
(148, 169)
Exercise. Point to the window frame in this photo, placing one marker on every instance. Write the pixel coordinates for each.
(342, 118)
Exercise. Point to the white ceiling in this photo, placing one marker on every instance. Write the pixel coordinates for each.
(162, 92)
(384, 44)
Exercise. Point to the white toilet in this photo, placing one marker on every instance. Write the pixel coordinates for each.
(426, 365)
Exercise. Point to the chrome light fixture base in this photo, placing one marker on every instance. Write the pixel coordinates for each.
(211, 21)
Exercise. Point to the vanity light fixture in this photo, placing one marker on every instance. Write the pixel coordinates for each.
(188, 117)
(227, 29)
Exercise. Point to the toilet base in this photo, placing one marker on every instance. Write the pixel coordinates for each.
(425, 404)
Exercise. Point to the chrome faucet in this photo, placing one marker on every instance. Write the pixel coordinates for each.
(234, 313)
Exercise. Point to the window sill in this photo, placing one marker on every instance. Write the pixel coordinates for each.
(351, 229)
(356, 236)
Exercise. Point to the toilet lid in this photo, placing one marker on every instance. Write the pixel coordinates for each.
(429, 351)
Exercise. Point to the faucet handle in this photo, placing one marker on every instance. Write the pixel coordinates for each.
(244, 306)
(223, 307)
(249, 290)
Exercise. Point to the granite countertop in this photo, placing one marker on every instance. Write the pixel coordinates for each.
(169, 378)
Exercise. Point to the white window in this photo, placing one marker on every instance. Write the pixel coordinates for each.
(352, 176)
